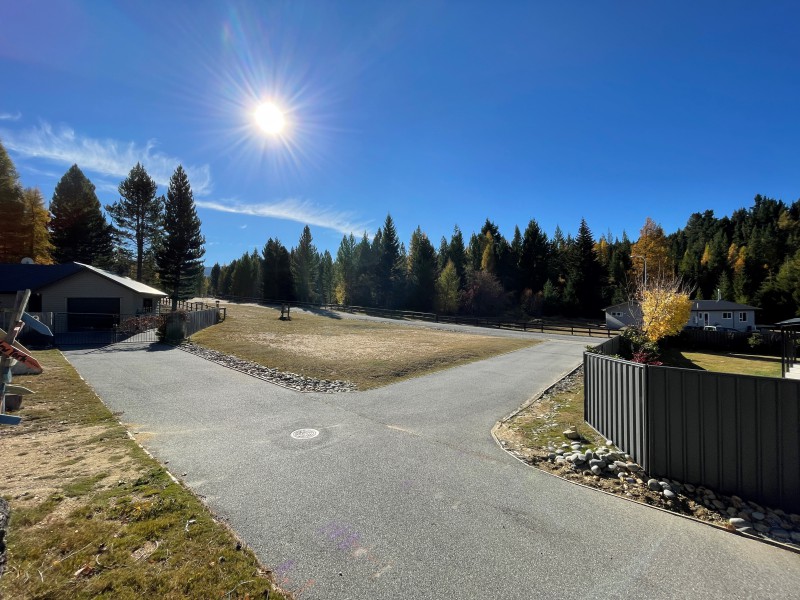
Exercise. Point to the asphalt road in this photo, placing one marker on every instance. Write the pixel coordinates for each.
(404, 494)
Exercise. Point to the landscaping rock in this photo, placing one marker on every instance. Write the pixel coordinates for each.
(290, 380)
(654, 485)
(761, 527)
(781, 534)
(758, 516)
(572, 434)
(596, 469)
(669, 494)
(740, 523)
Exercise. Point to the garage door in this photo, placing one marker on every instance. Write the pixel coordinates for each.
(92, 314)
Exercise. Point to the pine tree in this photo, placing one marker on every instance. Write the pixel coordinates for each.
(214, 279)
(534, 257)
(345, 270)
(180, 254)
(585, 275)
(458, 254)
(78, 230)
(305, 260)
(277, 283)
(421, 272)
(325, 285)
(364, 261)
(389, 274)
(138, 214)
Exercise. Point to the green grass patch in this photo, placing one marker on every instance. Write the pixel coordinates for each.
(368, 353)
(724, 362)
(96, 526)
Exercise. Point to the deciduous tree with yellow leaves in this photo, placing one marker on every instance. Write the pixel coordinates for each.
(665, 305)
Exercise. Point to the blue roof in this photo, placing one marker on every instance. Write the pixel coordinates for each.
(14, 277)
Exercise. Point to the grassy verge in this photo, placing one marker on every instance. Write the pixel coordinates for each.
(369, 354)
(92, 515)
(722, 362)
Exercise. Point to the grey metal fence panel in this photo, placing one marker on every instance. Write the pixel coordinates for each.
(737, 434)
(614, 402)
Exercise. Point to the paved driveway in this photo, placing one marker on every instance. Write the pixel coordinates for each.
(405, 495)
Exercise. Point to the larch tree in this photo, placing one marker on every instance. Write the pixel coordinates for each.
(78, 230)
(665, 306)
(447, 289)
(37, 243)
(12, 211)
(180, 254)
(652, 248)
(138, 214)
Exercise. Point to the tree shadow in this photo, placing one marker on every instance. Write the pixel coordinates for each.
(322, 312)
(672, 357)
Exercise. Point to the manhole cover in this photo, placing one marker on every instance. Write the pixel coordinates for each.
(304, 434)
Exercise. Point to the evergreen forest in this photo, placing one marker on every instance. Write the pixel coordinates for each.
(750, 257)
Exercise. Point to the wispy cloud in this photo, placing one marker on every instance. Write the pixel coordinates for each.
(301, 211)
(10, 116)
(106, 157)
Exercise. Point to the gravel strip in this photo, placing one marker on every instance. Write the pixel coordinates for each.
(290, 380)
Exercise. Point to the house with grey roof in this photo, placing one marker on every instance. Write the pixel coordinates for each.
(76, 289)
(724, 314)
(623, 315)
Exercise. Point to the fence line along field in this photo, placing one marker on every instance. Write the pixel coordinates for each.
(368, 353)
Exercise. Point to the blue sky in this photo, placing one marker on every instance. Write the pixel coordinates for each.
(441, 113)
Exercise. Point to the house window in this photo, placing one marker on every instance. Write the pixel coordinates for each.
(727, 315)
(743, 317)
(616, 314)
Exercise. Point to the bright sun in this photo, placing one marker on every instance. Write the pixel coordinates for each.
(270, 118)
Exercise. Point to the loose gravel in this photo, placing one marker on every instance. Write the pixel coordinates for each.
(286, 379)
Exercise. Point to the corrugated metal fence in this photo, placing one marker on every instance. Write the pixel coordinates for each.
(737, 434)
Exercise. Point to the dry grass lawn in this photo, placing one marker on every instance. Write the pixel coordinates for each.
(367, 353)
(92, 515)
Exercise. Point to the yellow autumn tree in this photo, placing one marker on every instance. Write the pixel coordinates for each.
(652, 248)
(665, 305)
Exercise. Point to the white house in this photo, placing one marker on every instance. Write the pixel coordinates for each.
(623, 315)
(722, 313)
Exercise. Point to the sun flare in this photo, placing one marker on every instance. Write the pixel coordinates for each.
(270, 118)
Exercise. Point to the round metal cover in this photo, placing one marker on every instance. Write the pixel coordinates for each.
(304, 434)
